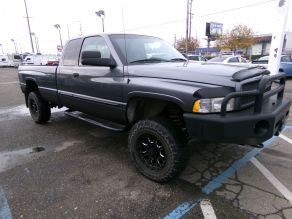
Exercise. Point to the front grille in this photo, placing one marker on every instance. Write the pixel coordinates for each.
(247, 101)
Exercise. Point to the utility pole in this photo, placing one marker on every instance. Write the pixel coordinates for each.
(190, 20)
(174, 44)
(187, 26)
(278, 36)
(28, 24)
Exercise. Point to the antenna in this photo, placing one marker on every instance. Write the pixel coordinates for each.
(124, 32)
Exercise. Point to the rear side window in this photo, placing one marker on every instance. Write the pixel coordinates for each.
(71, 52)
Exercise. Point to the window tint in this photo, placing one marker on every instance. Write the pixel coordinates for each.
(233, 60)
(96, 44)
(71, 52)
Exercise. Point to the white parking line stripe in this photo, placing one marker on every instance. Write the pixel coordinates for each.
(273, 180)
(285, 138)
(10, 82)
(207, 209)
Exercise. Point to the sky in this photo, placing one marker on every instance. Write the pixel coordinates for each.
(162, 18)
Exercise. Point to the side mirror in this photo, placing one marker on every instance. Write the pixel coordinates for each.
(93, 58)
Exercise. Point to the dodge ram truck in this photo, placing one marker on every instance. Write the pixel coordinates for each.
(141, 84)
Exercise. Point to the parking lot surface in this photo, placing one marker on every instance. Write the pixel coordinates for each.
(71, 169)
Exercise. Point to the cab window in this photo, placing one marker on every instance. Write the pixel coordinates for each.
(96, 43)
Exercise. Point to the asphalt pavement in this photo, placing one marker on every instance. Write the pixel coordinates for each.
(71, 169)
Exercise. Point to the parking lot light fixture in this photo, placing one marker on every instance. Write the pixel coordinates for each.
(59, 28)
(101, 14)
(15, 45)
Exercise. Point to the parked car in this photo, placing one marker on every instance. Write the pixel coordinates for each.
(162, 99)
(230, 60)
(10, 60)
(4, 61)
(53, 61)
(196, 58)
(285, 64)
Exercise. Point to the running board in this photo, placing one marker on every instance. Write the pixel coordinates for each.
(96, 121)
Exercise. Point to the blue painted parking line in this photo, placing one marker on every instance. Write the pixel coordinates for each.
(181, 210)
(219, 180)
(5, 212)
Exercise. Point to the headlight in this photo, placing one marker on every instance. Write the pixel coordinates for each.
(212, 105)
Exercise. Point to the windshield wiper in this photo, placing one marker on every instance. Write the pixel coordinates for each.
(149, 60)
(178, 60)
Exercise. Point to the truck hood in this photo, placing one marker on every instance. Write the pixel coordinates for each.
(209, 73)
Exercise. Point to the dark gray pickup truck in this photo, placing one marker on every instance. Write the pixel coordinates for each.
(142, 84)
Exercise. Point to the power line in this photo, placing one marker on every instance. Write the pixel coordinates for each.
(201, 16)
(234, 9)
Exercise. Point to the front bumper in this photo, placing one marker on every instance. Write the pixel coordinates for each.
(250, 126)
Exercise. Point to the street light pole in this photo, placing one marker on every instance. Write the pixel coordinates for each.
(59, 28)
(2, 48)
(28, 24)
(101, 14)
(36, 42)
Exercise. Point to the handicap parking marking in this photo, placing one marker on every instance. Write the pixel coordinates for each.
(207, 209)
(273, 180)
(5, 212)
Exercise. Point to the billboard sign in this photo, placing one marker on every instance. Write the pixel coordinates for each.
(214, 29)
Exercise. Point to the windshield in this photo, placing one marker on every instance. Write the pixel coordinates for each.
(217, 59)
(144, 49)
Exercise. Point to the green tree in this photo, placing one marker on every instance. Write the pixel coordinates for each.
(240, 37)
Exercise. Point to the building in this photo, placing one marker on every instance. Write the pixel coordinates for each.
(263, 44)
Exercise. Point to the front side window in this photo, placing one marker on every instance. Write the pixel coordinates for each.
(96, 43)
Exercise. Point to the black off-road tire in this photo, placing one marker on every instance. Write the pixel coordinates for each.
(38, 108)
(170, 137)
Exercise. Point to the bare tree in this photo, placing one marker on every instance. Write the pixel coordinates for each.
(192, 44)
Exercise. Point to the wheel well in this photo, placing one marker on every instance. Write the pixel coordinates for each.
(143, 108)
(30, 86)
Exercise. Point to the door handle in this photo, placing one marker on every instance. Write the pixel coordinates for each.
(75, 75)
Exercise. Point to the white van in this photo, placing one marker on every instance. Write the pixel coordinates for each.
(32, 60)
(5, 61)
